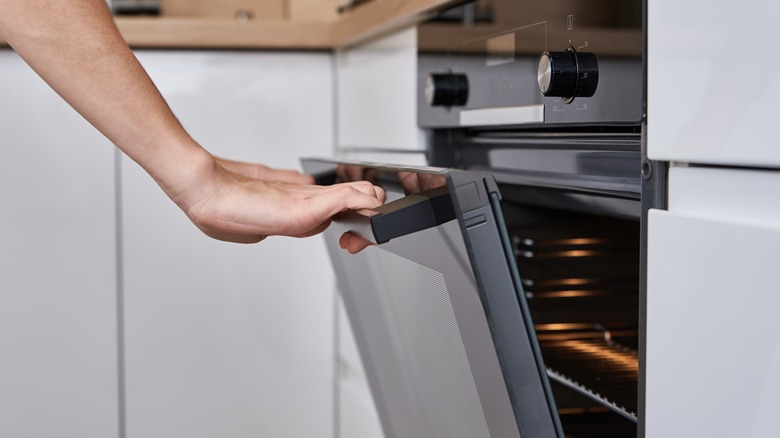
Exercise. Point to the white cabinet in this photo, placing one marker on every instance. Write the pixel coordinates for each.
(357, 413)
(376, 87)
(713, 341)
(58, 337)
(712, 86)
(225, 339)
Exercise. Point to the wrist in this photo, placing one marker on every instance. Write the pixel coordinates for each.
(187, 176)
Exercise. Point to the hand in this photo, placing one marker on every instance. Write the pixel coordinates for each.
(235, 208)
(348, 173)
(411, 182)
(352, 243)
(75, 47)
(265, 173)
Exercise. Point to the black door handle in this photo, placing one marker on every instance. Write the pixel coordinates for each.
(398, 218)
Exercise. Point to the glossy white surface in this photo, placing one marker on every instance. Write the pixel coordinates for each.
(713, 342)
(58, 357)
(358, 417)
(734, 195)
(377, 94)
(713, 83)
(226, 340)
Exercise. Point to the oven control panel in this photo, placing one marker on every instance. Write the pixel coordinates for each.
(532, 63)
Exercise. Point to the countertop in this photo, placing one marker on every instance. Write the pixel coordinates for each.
(360, 24)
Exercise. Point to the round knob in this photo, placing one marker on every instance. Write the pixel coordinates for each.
(447, 89)
(568, 74)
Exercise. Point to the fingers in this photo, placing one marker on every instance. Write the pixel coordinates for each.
(409, 182)
(353, 244)
(367, 188)
(356, 196)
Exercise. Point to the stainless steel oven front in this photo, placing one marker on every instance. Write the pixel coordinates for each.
(506, 295)
(532, 63)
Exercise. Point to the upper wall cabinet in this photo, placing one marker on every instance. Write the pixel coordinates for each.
(713, 83)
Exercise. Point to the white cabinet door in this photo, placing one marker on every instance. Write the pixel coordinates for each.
(358, 417)
(58, 338)
(377, 94)
(713, 338)
(227, 340)
(712, 86)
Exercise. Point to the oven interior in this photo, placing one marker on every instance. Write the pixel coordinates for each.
(580, 275)
(572, 203)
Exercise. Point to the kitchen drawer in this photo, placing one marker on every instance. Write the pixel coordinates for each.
(712, 89)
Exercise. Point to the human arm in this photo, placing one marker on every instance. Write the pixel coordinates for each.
(75, 47)
(263, 172)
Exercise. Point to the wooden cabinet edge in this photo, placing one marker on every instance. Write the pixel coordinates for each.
(365, 22)
(215, 33)
(380, 17)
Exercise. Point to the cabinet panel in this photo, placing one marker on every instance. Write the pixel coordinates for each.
(734, 195)
(713, 342)
(358, 417)
(225, 339)
(58, 338)
(712, 90)
(377, 94)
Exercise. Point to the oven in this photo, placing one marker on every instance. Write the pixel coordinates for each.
(505, 295)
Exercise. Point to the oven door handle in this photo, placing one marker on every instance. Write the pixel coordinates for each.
(398, 218)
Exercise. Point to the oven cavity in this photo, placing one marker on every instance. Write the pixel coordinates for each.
(580, 275)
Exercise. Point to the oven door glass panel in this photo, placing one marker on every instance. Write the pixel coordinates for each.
(444, 335)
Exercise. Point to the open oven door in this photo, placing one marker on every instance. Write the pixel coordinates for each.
(437, 307)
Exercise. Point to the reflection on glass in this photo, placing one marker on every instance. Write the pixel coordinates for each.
(614, 26)
(410, 182)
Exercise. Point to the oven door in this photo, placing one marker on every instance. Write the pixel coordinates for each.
(437, 307)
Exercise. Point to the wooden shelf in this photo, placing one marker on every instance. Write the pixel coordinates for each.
(223, 33)
(380, 17)
(365, 22)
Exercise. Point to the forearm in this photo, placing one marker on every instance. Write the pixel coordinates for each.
(75, 47)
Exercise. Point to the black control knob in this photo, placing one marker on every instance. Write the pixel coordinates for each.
(568, 74)
(447, 89)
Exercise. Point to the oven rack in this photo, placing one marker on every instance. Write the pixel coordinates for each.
(584, 390)
(604, 373)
